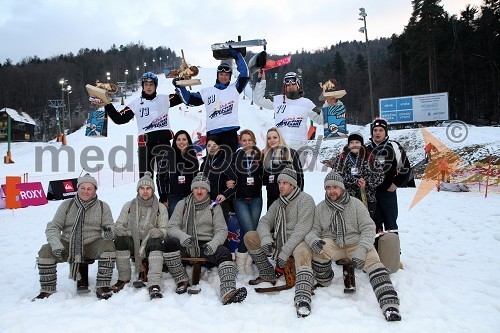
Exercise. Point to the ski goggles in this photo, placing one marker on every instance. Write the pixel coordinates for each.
(224, 68)
(149, 77)
(290, 80)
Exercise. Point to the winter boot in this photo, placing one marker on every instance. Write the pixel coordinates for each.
(323, 272)
(303, 291)
(178, 272)
(387, 297)
(155, 260)
(266, 270)
(241, 259)
(228, 292)
(155, 292)
(105, 266)
(47, 268)
(124, 270)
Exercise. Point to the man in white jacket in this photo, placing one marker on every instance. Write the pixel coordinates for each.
(291, 109)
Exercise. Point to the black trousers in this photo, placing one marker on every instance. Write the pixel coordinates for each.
(222, 253)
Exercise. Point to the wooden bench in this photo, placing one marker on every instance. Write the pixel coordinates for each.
(195, 279)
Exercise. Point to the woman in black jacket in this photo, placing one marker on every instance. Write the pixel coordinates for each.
(277, 156)
(177, 168)
(217, 168)
(247, 162)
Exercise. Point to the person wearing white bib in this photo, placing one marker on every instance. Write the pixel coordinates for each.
(291, 109)
(153, 124)
(221, 100)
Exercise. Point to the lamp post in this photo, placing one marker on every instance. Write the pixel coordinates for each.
(62, 82)
(108, 76)
(144, 67)
(161, 67)
(154, 65)
(68, 90)
(126, 75)
(362, 14)
(137, 74)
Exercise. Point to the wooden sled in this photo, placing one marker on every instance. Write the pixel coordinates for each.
(289, 278)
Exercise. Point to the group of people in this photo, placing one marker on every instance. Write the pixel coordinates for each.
(188, 218)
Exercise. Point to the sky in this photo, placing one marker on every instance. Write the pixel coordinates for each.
(47, 28)
(449, 250)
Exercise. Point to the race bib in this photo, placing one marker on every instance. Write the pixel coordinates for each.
(181, 179)
(271, 178)
(354, 171)
(250, 181)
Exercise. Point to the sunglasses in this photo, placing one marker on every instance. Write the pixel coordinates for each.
(290, 80)
(224, 69)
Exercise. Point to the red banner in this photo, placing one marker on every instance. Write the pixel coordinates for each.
(277, 63)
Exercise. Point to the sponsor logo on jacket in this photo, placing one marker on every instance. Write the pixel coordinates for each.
(290, 122)
(160, 122)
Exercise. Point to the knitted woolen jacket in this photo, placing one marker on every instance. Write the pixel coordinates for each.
(209, 227)
(123, 221)
(299, 220)
(62, 223)
(360, 228)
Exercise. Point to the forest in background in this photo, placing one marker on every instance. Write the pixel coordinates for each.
(435, 53)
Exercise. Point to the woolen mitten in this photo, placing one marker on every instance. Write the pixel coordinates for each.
(268, 249)
(207, 249)
(156, 233)
(107, 233)
(59, 253)
(358, 258)
(317, 246)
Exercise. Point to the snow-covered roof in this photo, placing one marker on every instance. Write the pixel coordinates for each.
(21, 117)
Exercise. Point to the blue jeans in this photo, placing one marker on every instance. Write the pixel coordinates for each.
(248, 214)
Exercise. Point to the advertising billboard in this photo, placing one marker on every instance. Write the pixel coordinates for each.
(419, 108)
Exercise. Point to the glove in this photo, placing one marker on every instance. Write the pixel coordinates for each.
(156, 233)
(174, 82)
(189, 243)
(358, 258)
(234, 53)
(268, 249)
(59, 253)
(279, 269)
(317, 246)
(107, 233)
(280, 263)
(120, 230)
(207, 249)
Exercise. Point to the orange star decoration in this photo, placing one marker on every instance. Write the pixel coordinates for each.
(440, 167)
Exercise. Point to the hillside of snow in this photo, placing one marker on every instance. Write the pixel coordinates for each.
(450, 244)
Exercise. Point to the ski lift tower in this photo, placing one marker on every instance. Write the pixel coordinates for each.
(57, 104)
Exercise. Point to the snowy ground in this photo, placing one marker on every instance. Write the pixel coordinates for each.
(450, 244)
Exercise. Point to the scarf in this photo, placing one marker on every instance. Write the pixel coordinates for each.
(190, 206)
(135, 208)
(338, 224)
(280, 229)
(75, 256)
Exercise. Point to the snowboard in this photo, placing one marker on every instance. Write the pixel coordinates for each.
(221, 50)
(234, 234)
(334, 122)
(96, 124)
(260, 61)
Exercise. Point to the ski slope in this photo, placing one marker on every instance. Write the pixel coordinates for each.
(450, 244)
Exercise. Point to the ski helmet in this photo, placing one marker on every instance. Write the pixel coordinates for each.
(149, 77)
(291, 77)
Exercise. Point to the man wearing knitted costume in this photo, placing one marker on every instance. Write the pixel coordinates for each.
(285, 225)
(140, 229)
(198, 230)
(82, 228)
(343, 229)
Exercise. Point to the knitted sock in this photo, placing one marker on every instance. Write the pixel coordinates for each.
(266, 270)
(174, 264)
(227, 275)
(155, 266)
(303, 284)
(105, 266)
(47, 268)
(323, 271)
(123, 265)
(382, 286)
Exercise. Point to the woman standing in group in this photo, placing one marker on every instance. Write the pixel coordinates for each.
(359, 170)
(178, 168)
(277, 156)
(217, 168)
(247, 163)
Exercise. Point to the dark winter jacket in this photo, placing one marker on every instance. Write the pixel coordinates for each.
(176, 173)
(273, 167)
(218, 170)
(394, 163)
(249, 172)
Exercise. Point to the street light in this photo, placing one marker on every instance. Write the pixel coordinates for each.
(62, 82)
(161, 67)
(153, 65)
(68, 90)
(362, 14)
(108, 76)
(137, 74)
(126, 74)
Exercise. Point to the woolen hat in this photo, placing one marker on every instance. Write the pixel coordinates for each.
(288, 175)
(87, 178)
(333, 178)
(200, 181)
(355, 136)
(146, 180)
(379, 122)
